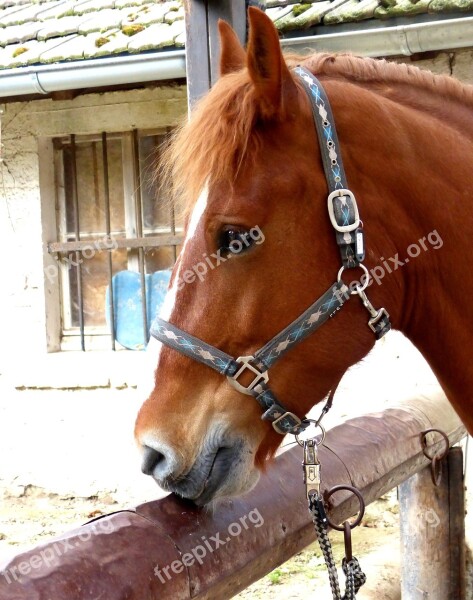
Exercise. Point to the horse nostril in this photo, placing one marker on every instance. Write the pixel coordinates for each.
(151, 458)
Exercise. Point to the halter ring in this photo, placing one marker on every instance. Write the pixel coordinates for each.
(359, 288)
(323, 433)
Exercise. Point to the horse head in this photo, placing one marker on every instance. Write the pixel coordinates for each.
(258, 250)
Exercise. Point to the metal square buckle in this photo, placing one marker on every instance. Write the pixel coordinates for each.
(295, 418)
(331, 213)
(373, 322)
(246, 364)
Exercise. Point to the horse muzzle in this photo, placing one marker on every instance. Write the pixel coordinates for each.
(218, 471)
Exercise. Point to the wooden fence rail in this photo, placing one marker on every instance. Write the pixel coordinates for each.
(170, 549)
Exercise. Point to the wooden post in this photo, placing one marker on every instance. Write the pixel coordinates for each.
(202, 47)
(433, 533)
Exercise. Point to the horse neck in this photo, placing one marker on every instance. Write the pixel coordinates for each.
(420, 180)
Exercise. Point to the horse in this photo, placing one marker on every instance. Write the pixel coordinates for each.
(247, 161)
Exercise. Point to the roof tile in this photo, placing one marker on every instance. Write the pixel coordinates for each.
(74, 48)
(159, 35)
(275, 3)
(60, 27)
(26, 14)
(56, 52)
(450, 5)
(278, 13)
(97, 42)
(302, 19)
(116, 44)
(31, 52)
(402, 8)
(102, 20)
(6, 55)
(176, 13)
(353, 10)
(63, 8)
(19, 33)
(180, 40)
(148, 14)
(8, 12)
(124, 3)
(93, 6)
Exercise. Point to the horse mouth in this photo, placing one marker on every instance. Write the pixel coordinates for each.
(210, 475)
(219, 472)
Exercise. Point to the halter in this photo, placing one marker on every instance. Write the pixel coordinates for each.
(345, 219)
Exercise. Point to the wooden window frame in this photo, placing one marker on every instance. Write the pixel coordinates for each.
(61, 334)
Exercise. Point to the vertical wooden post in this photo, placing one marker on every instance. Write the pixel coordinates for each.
(433, 533)
(202, 47)
(457, 523)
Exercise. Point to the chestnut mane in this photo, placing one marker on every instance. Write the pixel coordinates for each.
(223, 128)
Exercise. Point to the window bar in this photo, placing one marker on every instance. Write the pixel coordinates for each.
(173, 216)
(75, 199)
(111, 300)
(139, 233)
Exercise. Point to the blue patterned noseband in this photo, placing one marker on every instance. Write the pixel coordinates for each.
(343, 213)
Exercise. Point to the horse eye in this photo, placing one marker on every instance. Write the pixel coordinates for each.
(234, 240)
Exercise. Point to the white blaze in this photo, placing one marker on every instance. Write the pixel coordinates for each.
(199, 209)
(153, 350)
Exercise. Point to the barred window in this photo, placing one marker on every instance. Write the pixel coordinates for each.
(117, 238)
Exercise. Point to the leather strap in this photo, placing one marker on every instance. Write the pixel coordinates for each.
(342, 206)
(309, 321)
(193, 347)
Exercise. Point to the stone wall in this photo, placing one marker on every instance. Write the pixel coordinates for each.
(458, 63)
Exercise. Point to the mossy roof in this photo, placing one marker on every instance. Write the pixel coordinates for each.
(36, 32)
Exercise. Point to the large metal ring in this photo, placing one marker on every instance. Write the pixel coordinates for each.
(323, 433)
(423, 441)
(359, 288)
(357, 493)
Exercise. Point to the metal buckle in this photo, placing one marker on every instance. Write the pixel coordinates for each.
(331, 213)
(382, 312)
(286, 414)
(245, 362)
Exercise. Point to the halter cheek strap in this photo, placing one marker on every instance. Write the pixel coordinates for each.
(345, 219)
(342, 207)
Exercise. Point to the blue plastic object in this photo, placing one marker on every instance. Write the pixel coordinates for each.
(127, 298)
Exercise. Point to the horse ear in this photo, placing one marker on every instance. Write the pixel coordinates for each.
(232, 54)
(267, 67)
